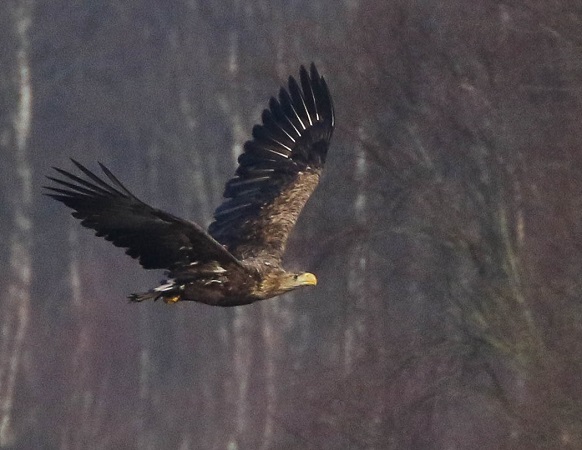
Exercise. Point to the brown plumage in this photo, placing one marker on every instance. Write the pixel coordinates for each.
(238, 261)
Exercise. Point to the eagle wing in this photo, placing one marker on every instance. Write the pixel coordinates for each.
(158, 239)
(278, 170)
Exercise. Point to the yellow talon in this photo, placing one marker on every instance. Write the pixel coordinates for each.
(172, 300)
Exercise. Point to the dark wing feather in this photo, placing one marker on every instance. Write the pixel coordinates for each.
(158, 239)
(278, 170)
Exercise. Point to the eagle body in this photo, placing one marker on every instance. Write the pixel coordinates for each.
(237, 261)
(227, 286)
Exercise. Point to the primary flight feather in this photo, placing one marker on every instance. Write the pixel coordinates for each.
(238, 260)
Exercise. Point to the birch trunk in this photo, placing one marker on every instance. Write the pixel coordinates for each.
(16, 298)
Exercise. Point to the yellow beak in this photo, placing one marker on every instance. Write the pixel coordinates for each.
(307, 279)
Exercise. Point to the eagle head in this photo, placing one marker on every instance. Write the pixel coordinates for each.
(303, 279)
(279, 282)
(289, 281)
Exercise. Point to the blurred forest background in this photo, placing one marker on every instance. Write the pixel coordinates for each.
(446, 232)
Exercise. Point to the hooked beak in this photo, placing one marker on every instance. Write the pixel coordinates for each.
(307, 279)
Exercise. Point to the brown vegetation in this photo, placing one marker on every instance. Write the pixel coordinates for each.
(446, 233)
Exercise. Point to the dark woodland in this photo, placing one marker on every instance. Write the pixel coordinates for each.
(446, 233)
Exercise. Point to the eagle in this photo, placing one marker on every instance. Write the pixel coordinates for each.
(237, 261)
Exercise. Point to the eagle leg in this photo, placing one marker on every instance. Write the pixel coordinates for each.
(171, 300)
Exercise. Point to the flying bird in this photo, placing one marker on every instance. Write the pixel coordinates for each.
(238, 260)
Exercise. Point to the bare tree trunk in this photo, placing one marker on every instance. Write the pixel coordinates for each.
(355, 330)
(15, 304)
(243, 324)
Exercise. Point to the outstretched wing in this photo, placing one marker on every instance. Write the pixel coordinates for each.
(158, 239)
(278, 170)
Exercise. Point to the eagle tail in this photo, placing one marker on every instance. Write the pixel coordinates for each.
(168, 291)
(143, 296)
(153, 295)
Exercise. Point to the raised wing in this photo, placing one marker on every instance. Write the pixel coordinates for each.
(278, 170)
(158, 239)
